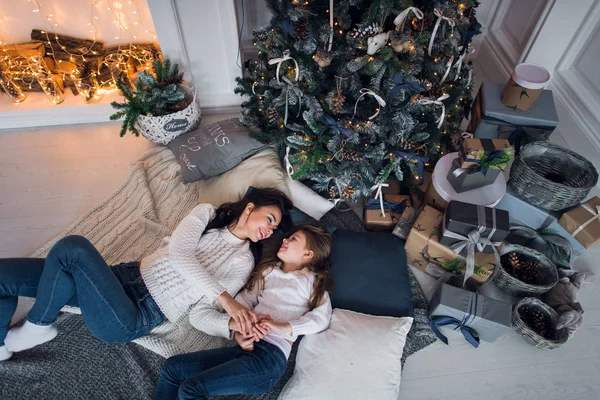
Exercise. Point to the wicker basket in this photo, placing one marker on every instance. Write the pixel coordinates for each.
(512, 285)
(163, 129)
(552, 177)
(532, 337)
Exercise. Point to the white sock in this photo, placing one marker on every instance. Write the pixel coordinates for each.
(29, 335)
(5, 354)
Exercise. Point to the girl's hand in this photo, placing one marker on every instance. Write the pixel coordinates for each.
(277, 327)
(246, 343)
(243, 317)
(259, 332)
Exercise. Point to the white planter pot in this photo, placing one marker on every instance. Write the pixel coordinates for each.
(163, 129)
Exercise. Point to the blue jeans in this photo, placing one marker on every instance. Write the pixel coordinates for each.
(114, 301)
(224, 371)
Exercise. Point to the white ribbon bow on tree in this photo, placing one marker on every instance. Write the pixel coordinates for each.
(288, 165)
(279, 61)
(438, 101)
(441, 17)
(448, 67)
(401, 18)
(460, 60)
(379, 195)
(595, 215)
(379, 99)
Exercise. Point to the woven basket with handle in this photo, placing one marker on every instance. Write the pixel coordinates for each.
(531, 336)
(551, 177)
(512, 285)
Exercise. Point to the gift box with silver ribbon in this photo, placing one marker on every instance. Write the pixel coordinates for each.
(465, 179)
(464, 218)
(476, 316)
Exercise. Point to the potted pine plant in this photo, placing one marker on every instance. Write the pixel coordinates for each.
(161, 107)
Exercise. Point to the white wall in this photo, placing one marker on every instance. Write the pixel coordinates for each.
(203, 36)
(73, 17)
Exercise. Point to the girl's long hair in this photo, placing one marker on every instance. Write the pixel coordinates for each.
(317, 240)
(229, 213)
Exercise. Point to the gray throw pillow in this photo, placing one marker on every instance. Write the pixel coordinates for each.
(213, 149)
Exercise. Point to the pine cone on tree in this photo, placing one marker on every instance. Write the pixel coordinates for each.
(301, 30)
(337, 102)
(352, 155)
(272, 116)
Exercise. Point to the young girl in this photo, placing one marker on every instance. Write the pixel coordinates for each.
(197, 270)
(292, 291)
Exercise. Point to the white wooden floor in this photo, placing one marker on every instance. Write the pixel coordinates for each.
(50, 176)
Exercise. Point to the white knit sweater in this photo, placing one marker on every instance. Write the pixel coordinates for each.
(285, 297)
(192, 269)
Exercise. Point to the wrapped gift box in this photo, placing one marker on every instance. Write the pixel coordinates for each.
(489, 113)
(394, 206)
(465, 179)
(529, 215)
(472, 150)
(583, 222)
(464, 218)
(490, 319)
(433, 199)
(423, 246)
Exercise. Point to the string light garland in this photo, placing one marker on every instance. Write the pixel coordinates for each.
(80, 66)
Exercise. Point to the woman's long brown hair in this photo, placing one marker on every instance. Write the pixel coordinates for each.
(317, 240)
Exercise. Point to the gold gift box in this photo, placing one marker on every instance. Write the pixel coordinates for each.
(423, 247)
(473, 149)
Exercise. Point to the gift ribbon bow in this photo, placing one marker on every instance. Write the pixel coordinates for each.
(448, 68)
(369, 92)
(331, 123)
(463, 325)
(399, 20)
(287, 25)
(441, 17)
(379, 195)
(474, 240)
(437, 101)
(298, 93)
(279, 61)
(494, 155)
(401, 84)
(420, 160)
(460, 60)
(595, 216)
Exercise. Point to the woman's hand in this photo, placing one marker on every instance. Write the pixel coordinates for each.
(243, 317)
(259, 332)
(246, 343)
(277, 327)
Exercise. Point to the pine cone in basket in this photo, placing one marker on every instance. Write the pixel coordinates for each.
(539, 322)
(511, 262)
(523, 268)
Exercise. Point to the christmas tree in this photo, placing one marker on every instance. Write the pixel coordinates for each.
(359, 91)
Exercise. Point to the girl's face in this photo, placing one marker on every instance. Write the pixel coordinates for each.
(293, 250)
(260, 222)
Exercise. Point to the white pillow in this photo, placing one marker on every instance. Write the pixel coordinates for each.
(358, 357)
(263, 170)
(307, 200)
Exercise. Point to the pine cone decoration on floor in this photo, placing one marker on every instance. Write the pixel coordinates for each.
(273, 116)
(537, 320)
(530, 272)
(337, 102)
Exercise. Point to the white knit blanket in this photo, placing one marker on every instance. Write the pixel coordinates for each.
(130, 225)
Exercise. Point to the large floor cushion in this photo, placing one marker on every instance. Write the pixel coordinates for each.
(371, 274)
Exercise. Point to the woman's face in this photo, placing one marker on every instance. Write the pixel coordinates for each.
(293, 250)
(261, 221)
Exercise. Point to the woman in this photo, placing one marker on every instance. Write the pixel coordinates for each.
(202, 265)
(293, 290)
